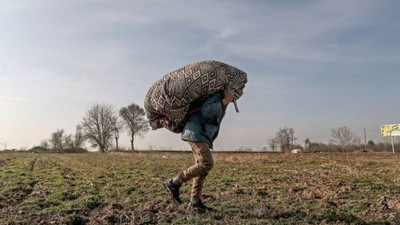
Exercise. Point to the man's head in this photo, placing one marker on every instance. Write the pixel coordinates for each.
(238, 92)
(237, 85)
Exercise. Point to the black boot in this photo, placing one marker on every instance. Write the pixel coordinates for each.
(198, 204)
(173, 190)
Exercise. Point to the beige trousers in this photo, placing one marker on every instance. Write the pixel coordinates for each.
(198, 171)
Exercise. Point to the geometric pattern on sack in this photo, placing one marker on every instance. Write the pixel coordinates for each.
(173, 93)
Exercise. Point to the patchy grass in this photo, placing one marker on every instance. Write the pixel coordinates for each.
(244, 188)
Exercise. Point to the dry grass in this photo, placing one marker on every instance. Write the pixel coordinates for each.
(244, 188)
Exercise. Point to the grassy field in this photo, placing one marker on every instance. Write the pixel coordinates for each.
(244, 188)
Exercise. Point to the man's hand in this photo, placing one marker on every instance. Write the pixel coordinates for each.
(228, 97)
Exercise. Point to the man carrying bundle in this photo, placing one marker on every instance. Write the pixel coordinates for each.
(201, 122)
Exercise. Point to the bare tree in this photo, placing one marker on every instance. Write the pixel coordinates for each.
(134, 121)
(273, 144)
(117, 129)
(56, 139)
(79, 137)
(68, 142)
(59, 140)
(285, 138)
(343, 137)
(98, 126)
(307, 145)
(44, 144)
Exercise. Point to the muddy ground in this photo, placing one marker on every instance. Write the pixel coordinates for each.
(243, 188)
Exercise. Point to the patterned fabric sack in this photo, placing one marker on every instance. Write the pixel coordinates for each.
(168, 100)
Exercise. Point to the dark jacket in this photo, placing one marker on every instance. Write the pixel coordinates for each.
(203, 126)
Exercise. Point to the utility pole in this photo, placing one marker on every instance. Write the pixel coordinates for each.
(365, 140)
(391, 137)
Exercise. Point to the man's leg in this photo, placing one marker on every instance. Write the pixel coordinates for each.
(197, 186)
(204, 163)
(203, 157)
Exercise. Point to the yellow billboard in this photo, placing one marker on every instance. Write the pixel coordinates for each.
(390, 130)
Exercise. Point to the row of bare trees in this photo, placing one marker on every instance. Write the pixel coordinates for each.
(100, 126)
(343, 138)
(60, 140)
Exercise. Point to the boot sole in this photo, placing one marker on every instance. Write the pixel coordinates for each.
(170, 194)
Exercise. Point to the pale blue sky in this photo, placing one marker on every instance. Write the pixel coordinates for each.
(312, 65)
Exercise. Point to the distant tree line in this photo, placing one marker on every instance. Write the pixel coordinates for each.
(343, 139)
(61, 142)
(99, 127)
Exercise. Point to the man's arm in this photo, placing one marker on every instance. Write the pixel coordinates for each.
(214, 105)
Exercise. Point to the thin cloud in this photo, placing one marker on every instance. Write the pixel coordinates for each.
(308, 34)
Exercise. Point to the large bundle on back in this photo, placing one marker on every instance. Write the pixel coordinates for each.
(171, 96)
